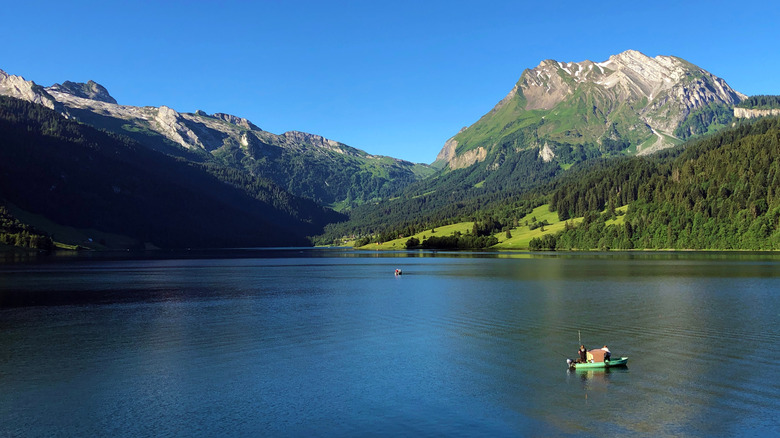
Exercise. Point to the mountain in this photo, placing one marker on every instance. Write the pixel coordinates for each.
(558, 115)
(568, 111)
(306, 165)
(67, 178)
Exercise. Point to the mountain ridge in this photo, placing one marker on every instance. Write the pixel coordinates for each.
(76, 176)
(326, 166)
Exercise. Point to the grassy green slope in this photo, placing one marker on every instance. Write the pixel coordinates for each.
(521, 235)
(586, 117)
(498, 124)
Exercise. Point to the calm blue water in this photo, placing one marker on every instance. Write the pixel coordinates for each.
(331, 343)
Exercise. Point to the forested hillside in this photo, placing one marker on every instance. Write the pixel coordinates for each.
(708, 119)
(760, 102)
(77, 176)
(479, 193)
(721, 192)
(15, 233)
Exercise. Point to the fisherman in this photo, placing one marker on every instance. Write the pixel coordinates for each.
(583, 352)
(607, 353)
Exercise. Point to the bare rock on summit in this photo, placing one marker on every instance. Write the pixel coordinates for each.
(670, 86)
(238, 121)
(91, 90)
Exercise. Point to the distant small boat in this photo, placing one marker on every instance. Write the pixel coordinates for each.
(398, 272)
(597, 359)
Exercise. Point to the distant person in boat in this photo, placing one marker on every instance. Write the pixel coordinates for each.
(607, 353)
(398, 272)
(583, 354)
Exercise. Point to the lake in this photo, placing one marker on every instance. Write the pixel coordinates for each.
(310, 342)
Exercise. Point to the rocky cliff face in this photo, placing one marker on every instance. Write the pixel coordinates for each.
(630, 96)
(18, 87)
(172, 125)
(748, 113)
(234, 120)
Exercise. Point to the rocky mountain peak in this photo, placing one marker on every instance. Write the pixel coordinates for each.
(235, 120)
(630, 98)
(633, 57)
(631, 77)
(630, 74)
(91, 90)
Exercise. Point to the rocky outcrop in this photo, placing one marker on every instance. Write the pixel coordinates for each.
(447, 153)
(546, 154)
(238, 121)
(749, 113)
(468, 158)
(172, 125)
(297, 138)
(18, 87)
(450, 158)
(91, 90)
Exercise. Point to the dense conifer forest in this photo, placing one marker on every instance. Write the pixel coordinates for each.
(761, 102)
(721, 192)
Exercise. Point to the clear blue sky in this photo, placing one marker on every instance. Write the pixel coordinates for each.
(392, 78)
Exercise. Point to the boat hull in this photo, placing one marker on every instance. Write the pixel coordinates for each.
(606, 364)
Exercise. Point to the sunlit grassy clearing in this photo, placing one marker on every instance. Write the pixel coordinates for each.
(521, 235)
(400, 243)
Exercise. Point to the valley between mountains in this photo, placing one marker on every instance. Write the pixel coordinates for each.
(634, 152)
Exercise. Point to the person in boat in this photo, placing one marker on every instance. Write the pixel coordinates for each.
(607, 353)
(583, 352)
(398, 272)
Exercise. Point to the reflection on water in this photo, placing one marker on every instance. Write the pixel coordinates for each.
(292, 342)
(596, 377)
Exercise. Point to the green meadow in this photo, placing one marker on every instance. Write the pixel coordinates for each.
(521, 235)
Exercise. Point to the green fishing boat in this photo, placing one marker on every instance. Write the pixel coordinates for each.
(597, 358)
(617, 362)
